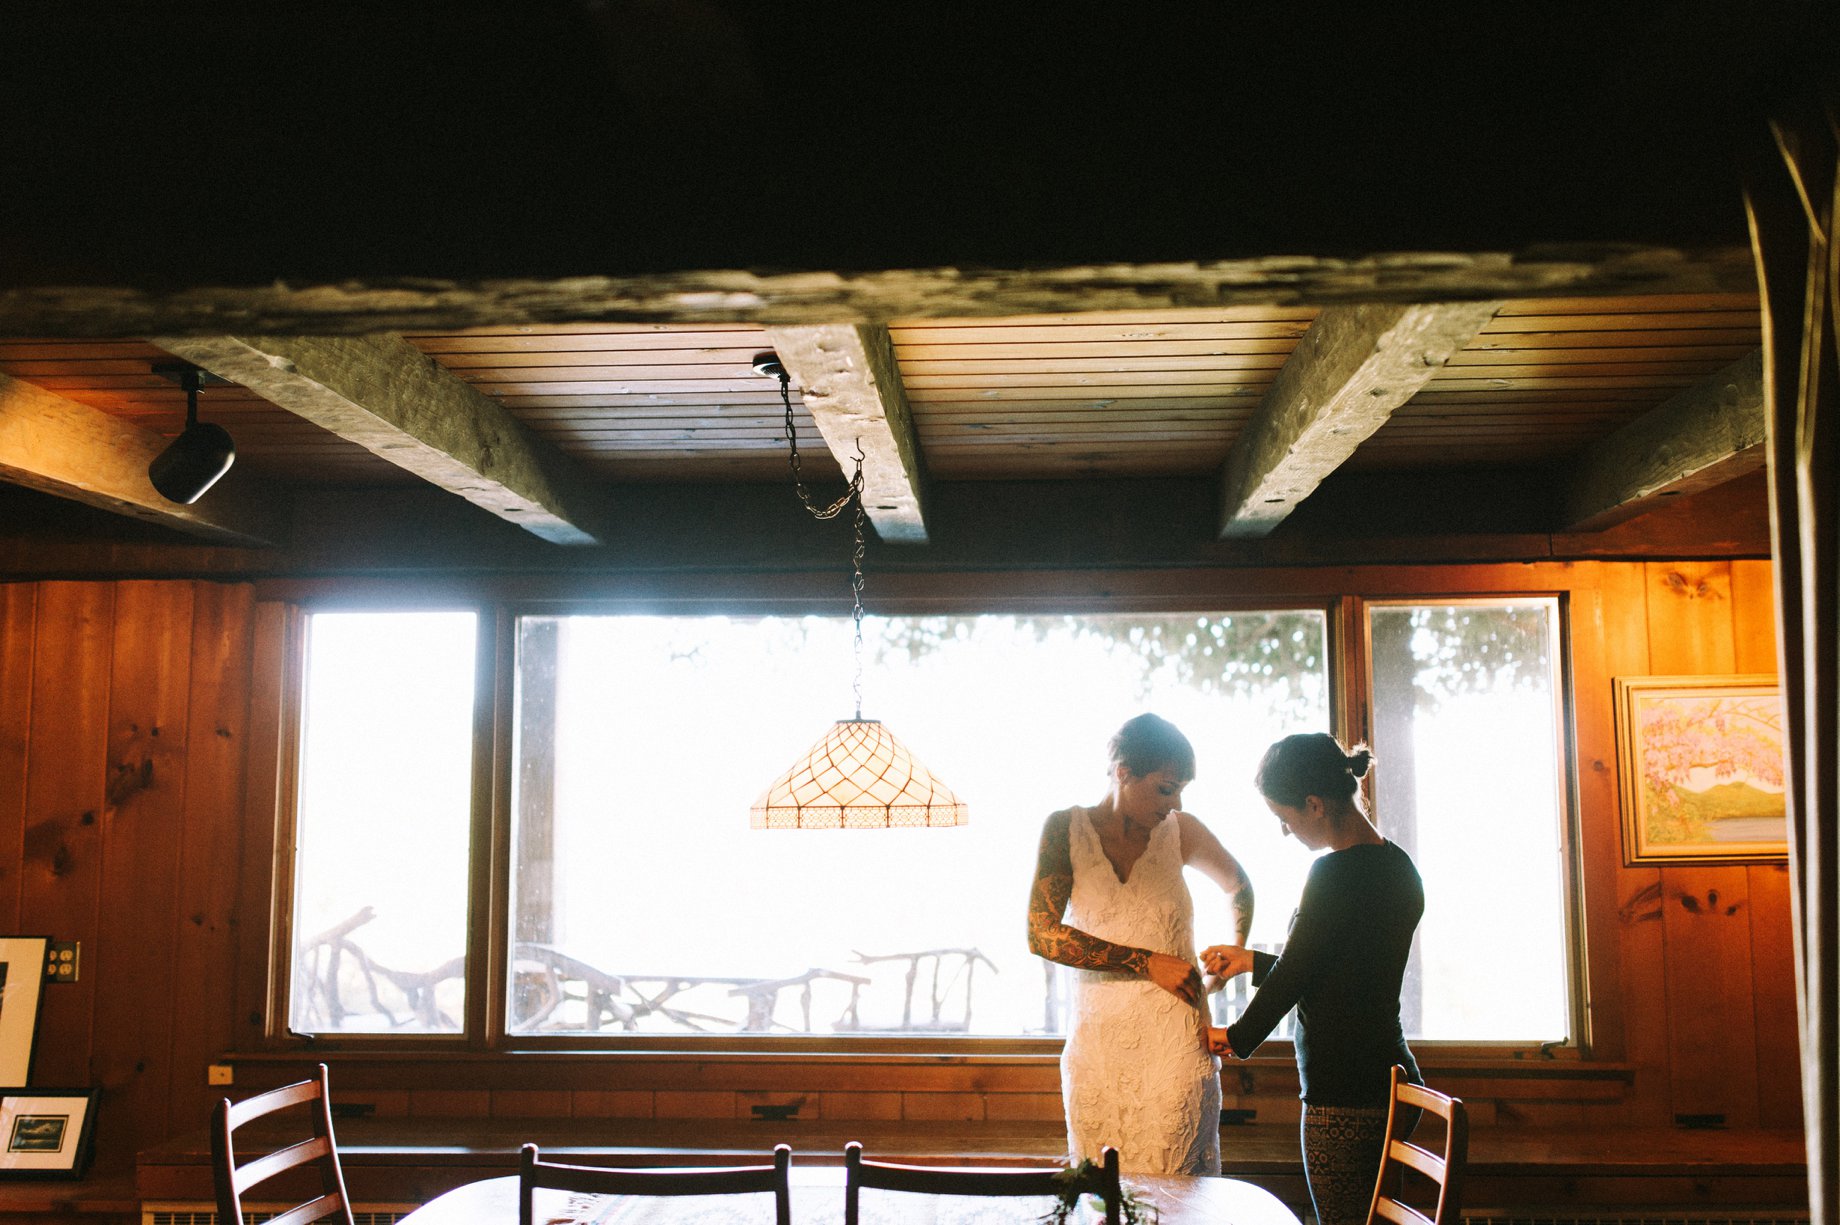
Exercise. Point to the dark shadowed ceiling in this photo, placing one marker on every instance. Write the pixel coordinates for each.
(1254, 282)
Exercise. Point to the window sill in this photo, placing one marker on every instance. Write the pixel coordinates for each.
(1434, 1059)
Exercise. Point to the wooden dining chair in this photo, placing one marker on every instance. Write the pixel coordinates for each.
(534, 1172)
(318, 1152)
(860, 1173)
(1443, 1170)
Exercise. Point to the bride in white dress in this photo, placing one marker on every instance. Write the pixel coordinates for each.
(1109, 900)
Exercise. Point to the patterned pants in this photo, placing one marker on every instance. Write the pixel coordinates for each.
(1341, 1158)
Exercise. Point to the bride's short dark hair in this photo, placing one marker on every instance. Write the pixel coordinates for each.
(1150, 743)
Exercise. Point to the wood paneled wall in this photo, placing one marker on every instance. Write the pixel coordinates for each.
(123, 710)
(1706, 953)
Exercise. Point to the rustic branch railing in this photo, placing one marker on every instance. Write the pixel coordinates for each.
(763, 998)
(967, 963)
(549, 984)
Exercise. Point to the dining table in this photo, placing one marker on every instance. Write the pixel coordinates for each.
(817, 1199)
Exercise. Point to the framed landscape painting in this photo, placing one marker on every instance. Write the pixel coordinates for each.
(46, 1133)
(1701, 765)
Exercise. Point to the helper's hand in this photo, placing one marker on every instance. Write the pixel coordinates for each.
(1227, 960)
(1217, 1042)
(1175, 976)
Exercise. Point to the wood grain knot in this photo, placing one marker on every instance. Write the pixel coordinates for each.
(1644, 906)
(1710, 906)
(1692, 589)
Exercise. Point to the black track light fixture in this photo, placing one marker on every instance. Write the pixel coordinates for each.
(201, 453)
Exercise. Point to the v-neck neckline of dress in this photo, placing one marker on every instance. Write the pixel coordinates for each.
(1130, 872)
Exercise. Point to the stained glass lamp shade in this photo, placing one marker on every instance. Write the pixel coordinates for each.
(858, 776)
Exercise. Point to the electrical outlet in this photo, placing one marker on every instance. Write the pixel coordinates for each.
(62, 958)
(220, 1074)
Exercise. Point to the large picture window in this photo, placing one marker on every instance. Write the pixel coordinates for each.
(635, 903)
(644, 902)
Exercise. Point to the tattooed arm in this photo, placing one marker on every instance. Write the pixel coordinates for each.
(1052, 938)
(1203, 851)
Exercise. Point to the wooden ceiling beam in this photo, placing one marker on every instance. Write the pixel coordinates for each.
(1351, 370)
(852, 388)
(1704, 435)
(358, 306)
(71, 450)
(383, 394)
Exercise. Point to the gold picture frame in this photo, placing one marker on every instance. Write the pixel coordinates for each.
(1700, 769)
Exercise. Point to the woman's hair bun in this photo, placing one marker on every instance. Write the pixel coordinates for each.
(1311, 763)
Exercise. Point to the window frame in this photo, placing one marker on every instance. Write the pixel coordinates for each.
(484, 1031)
(1565, 789)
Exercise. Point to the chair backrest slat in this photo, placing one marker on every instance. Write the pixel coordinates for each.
(1425, 1099)
(308, 1212)
(860, 1174)
(889, 1177)
(1445, 1170)
(535, 1173)
(280, 1161)
(318, 1150)
(251, 1108)
(1423, 1160)
(1400, 1214)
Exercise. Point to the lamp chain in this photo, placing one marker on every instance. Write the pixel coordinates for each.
(798, 482)
(856, 583)
(851, 494)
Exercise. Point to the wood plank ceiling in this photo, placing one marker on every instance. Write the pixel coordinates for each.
(1546, 378)
(1053, 397)
(1039, 397)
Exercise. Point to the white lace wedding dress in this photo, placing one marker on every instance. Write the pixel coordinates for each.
(1135, 1073)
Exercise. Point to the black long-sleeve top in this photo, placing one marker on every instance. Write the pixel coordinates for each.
(1341, 968)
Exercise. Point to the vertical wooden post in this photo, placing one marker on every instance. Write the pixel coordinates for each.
(1791, 219)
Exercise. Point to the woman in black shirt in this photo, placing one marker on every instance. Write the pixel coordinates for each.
(1341, 969)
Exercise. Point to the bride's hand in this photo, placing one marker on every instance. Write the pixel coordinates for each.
(1175, 976)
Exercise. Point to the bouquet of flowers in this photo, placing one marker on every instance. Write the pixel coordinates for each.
(1084, 1179)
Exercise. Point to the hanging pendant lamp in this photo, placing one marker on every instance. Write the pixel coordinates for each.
(858, 775)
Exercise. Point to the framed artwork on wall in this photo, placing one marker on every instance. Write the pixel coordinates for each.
(22, 984)
(46, 1133)
(1700, 762)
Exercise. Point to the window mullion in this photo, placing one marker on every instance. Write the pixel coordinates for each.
(1351, 682)
(281, 644)
(490, 858)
